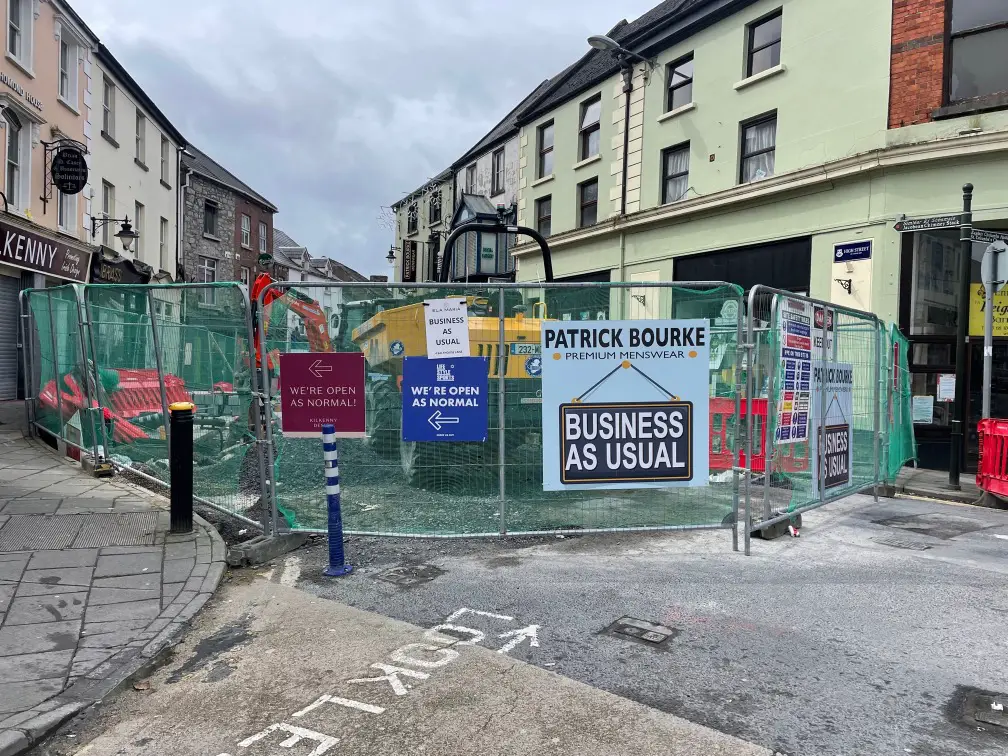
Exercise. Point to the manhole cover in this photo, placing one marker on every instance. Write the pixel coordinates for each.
(648, 634)
(410, 575)
(972, 706)
(935, 525)
(903, 543)
(38, 532)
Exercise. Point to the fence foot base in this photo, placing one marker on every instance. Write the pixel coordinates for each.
(778, 529)
(338, 570)
(262, 549)
(100, 469)
(886, 491)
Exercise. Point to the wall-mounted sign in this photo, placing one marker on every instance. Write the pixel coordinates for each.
(409, 261)
(41, 254)
(108, 267)
(851, 251)
(69, 170)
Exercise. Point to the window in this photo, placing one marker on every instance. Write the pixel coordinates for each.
(675, 173)
(680, 83)
(764, 44)
(108, 211)
(64, 69)
(591, 127)
(588, 202)
(141, 138)
(108, 108)
(20, 20)
(163, 241)
(165, 159)
(246, 231)
(470, 185)
(140, 227)
(545, 142)
(206, 272)
(17, 138)
(263, 233)
(759, 144)
(433, 253)
(66, 212)
(210, 218)
(434, 208)
(544, 215)
(497, 176)
(246, 275)
(411, 219)
(979, 52)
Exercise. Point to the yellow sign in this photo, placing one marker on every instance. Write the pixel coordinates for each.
(977, 304)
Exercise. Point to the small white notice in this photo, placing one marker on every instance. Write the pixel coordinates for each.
(447, 327)
(922, 409)
(946, 387)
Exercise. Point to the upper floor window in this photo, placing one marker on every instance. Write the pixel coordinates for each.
(165, 159)
(140, 220)
(411, 219)
(108, 107)
(210, 218)
(470, 185)
(497, 173)
(979, 48)
(591, 127)
(263, 232)
(759, 147)
(66, 212)
(20, 23)
(544, 145)
(588, 203)
(163, 239)
(141, 137)
(434, 207)
(68, 69)
(246, 231)
(675, 173)
(18, 154)
(680, 83)
(206, 272)
(108, 211)
(764, 44)
(246, 275)
(544, 215)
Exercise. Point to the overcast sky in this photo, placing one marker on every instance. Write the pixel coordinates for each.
(335, 108)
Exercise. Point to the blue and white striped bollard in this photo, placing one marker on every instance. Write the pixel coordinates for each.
(337, 563)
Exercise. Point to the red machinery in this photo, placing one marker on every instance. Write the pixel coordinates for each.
(791, 458)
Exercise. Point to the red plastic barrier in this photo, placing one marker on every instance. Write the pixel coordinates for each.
(789, 458)
(992, 468)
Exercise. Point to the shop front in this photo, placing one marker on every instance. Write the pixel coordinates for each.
(30, 258)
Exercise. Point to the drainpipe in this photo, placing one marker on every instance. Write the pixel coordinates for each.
(627, 89)
(182, 182)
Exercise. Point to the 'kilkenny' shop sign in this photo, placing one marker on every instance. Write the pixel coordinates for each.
(30, 251)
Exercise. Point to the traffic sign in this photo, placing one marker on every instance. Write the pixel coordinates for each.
(319, 388)
(445, 399)
(933, 223)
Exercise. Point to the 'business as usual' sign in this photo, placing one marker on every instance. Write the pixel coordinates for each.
(592, 436)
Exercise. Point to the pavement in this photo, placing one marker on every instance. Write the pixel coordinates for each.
(93, 587)
(933, 484)
(268, 668)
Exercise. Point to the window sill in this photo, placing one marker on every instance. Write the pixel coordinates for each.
(142, 165)
(110, 139)
(211, 237)
(27, 71)
(165, 184)
(498, 193)
(67, 232)
(542, 180)
(586, 161)
(67, 105)
(678, 111)
(246, 247)
(761, 76)
(972, 106)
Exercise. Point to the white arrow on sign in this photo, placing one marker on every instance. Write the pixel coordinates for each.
(517, 636)
(317, 368)
(437, 420)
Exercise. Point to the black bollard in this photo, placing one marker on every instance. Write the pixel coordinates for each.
(181, 465)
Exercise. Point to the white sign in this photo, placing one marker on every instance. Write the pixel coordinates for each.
(946, 387)
(832, 390)
(447, 328)
(922, 409)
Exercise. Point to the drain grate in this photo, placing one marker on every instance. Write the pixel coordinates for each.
(648, 634)
(903, 543)
(410, 575)
(970, 706)
(43, 532)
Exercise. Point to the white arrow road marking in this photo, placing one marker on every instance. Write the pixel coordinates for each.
(478, 613)
(437, 420)
(325, 742)
(348, 702)
(517, 636)
(317, 368)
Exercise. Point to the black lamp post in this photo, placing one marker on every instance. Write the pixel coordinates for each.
(126, 234)
(961, 404)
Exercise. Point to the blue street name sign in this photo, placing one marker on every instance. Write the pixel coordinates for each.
(851, 251)
(445, 399)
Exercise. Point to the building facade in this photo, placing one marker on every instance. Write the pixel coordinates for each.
(135, 176)
(45, 105)
(421, 221)
(225, 224)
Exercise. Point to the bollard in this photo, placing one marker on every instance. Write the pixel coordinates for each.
(337, 563)
(181, 466)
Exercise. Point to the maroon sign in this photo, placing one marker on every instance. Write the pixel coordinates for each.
(409, 264)
(322, 387)
(42, 254)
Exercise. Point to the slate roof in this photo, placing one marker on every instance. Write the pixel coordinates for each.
(283, 253)
(200, 163)
(597, 65)
(114, 67)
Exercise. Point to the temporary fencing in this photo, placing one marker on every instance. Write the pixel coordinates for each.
(106, 361)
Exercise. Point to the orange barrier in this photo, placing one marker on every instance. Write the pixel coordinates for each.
(789, 458)
(992, 468)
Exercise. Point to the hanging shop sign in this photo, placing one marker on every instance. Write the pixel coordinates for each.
(109, 268)
(69, 170)
(409, 261)
(592, 436)
(40, 254)
(977, 305)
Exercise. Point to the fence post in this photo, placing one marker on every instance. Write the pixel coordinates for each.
(180, 463)
(739, 351)
(87, 388)
(258, 408)
(878, 406)
(86, 313)
(160, 368)
(337, 559)
(501, 452)
(267, 415)
(27, 343)
(56, 370)
(750, 381)
(773, 390)
(820, 460)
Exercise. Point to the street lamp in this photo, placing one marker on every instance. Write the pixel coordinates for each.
(608, 44)
(390, 257)
(126, 234)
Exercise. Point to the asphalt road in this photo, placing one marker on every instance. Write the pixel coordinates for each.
(865, 635)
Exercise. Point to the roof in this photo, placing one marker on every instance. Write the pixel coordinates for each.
(442, 176)
(472, 207)
(283, 245)
(596, 66)
(203, 165)
(112, 66)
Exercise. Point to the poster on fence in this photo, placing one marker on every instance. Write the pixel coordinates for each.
(794, 397)
(833, 385)
(625, 404)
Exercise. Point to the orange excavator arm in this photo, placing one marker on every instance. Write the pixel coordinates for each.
(316, 326)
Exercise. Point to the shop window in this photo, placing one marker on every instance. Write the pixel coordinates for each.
(979, 49)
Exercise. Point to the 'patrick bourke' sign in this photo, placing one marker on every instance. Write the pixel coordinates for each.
(41, 254)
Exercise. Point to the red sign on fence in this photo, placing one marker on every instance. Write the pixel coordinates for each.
(322, 387)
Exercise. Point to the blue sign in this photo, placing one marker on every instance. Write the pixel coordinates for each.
(852, 251)
(445, 399)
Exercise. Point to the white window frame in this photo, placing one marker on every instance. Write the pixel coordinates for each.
(141, 137)
(165, 158)
(246, 275)
(263, 233)
(23, 58)
(70, 98)
(66, 210)
(20, 199)
(207, 266)
(162, 239)
(246, 231)
(107, 211)
(139, 220)
(108, 106)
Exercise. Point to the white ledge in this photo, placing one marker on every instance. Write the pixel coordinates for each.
(678, 111)
(756, 78)
(542, 180)
(588, 161)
